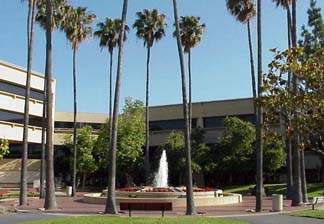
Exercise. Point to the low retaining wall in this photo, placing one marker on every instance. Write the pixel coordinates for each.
(227, 199)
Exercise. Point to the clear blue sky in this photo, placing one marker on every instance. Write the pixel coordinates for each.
(220, 62)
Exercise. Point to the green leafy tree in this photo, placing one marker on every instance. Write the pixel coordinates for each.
(308, 122)
(175, 149)
(149, 26)
(86, 163)
(236, 144)
(191, 31)
(77, 28)
(4, 147)
(130, 140)
(313, 34)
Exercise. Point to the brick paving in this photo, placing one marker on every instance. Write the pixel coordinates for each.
(70, 205)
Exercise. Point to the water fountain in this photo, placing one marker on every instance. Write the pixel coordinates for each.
(161, 177)
(162, 192)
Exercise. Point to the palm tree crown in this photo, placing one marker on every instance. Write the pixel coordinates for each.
(77, 25)
(283, 3)
(191, 31)
(108, 33)
(242, 10)
(150, 26)
(59, 13)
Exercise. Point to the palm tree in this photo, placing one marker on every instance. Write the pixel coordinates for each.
(259, 150)
(50, 200)
(244, 11)
(191, 32)
(111, 199)
(285, 4)
(297, 194)
(77, 28)
(108, 33)
(58, 17)
(149, 27)
(24, 158)
(190, 210)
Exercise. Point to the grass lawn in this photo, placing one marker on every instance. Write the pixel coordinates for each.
(145, 220)
(317, 214)
(314, 190)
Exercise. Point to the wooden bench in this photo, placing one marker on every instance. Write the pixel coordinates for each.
(315, 201)
(4, 192)
(145, 206)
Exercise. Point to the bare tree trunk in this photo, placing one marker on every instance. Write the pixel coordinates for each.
(259, 150)
(74, 125)
(111, 199)
(147, 118)
(24, 158)
(50, 200)
(189, 191)
(303, 176)
(84, 177)
(297, 195)
(190, 92)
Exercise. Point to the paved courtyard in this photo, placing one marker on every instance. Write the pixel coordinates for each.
(74, 206)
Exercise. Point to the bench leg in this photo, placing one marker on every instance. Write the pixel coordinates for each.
(162, 213)
(313, 206)
(129, 212)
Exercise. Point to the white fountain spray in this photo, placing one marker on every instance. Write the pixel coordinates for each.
(161, 177)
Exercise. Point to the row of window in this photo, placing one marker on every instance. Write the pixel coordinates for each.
(68, 125)
(20, 90)
(176, 124)
(18, 118)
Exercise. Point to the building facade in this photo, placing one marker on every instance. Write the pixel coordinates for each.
(12, 102)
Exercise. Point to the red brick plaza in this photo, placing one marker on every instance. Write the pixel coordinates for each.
(68, 205)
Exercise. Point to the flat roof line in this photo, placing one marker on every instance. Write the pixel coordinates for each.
(20, 68)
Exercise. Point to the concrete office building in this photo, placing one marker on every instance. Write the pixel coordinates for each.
(12, 101)
(163, 119)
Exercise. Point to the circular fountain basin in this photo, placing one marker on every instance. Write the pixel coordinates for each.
(174, 195)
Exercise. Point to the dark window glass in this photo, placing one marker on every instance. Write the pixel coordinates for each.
(218, 122)
(214, 122)
(170, 124)
(19, 118)
(15, 151)
(68, 125)
(19, 90)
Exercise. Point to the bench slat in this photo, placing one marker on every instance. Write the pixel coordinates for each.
(143, 206)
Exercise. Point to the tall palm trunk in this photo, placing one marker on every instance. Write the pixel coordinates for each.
(24, 158)
(110, 94)
(111, 199)
(190, 91)
(297, 194)
(43, 153)
(147, 118)
(50, 201)
(252, 65)
(189, 192)
(259, 150)
(74, 124)
(288, 123)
